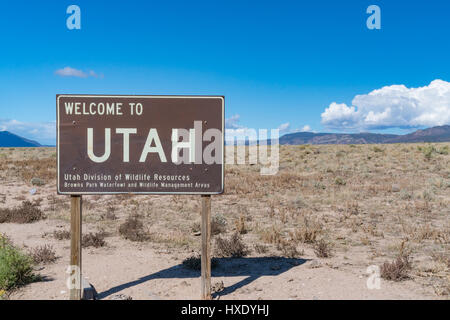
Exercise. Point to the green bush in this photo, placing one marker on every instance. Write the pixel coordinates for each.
(340, 182)
(430, 149)
(16, 268)
(444, 150)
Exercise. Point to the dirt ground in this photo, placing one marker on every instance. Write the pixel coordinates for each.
(360, 205)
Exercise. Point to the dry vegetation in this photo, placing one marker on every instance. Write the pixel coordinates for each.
(133, 229)
(232, 247)
(26, 213)
(92, 239)
(194, 262)
(43, 254)
(350, 205)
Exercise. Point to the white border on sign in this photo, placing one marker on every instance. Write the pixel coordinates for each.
(140, 97)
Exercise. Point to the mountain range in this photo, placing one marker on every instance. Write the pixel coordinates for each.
(8, 139)
(434, 134)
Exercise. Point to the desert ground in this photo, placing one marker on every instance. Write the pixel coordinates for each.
(309, 232)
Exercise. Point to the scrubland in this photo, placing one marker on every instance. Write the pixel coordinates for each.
(309, 232)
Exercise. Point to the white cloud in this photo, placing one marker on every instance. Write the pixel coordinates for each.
(233, 122)
(284, 127)
(306, 128)
(71, 72)
(43, 132)
(234, 129)
(393, 106)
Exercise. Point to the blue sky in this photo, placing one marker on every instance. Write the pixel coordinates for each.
(278, 63)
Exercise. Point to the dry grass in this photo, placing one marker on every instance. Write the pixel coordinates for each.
(322, 249)
(28, 212)
(363, 199)
(44, 168)
(260, 248)
(110, 214)
(43, 254)
(271, 235)
(307, 231)
(240, 225)
(288, 249)
(218, 225)
(92, 239)
(232, 247)
(133, 229)
(61, 234)
(396, 270)
(442, 258)
(194, 262)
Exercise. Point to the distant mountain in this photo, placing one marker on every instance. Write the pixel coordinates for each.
(435, 134)
(8, 139)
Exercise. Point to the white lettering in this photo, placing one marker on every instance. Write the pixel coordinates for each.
(153, 136)
(90, 145)
(126, 141)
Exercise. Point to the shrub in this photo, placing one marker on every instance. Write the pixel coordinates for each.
(352, 208)
(37, 182)
(218, 287)
(377, 149)
(322, 249)
(232, 247)
(218, 224)
(110, 214)
(340, 182)
(196, 227)
(240, 225)
(427, 151)
(260, 248)
(95, 240)
(442, 258)
(194, 262)
(405, 195)
(61, 234)
(444, 150)
(308, 231)
(430, 149)
(28, 212)
(271, 235)
(133, 229)
(43, 254)
(16, 267)
(396, 270)
(319, 185)
(288, 248)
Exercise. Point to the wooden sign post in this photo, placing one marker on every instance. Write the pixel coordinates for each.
(75, 247)
(206, 247)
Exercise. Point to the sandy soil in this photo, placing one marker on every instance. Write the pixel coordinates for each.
(142, 272)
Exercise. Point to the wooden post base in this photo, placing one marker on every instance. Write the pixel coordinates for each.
(206, 247)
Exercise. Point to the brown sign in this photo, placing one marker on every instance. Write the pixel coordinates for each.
(140, 144)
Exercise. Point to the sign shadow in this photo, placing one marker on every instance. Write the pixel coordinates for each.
(253, 268)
